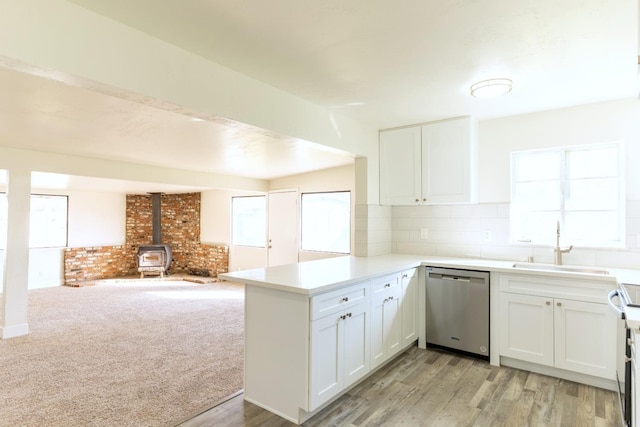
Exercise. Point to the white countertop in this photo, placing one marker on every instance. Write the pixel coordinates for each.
(313, 277)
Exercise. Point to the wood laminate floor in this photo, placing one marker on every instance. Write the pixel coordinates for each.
(436, 388)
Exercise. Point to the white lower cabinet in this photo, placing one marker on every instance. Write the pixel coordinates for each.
(409, 282)
(303, 351)
(526, 330)
(339, 352)
(386, 326)
(585, 339)
(567, 333)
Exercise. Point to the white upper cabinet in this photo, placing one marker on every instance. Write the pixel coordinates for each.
(447, 154)
(400, 166)
(435, 163)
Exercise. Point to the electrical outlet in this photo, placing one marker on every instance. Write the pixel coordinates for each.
(424, 233)
(486, 235)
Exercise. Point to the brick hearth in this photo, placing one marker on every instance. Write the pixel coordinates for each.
(180, 229)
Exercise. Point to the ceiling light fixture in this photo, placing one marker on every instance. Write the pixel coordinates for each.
(491, 88)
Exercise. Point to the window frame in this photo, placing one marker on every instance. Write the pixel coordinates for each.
(563, 185)
(47, 245)
(302, 223)
(264, 219)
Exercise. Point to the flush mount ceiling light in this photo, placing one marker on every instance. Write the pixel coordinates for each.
(491, 88)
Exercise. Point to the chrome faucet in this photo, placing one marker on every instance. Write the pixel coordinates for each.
(558, 251)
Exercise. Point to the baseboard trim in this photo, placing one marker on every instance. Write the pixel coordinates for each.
(14, 331)
(559, 373)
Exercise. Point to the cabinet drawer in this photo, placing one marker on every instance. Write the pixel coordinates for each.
(334, 301)
(409, 274)
(385, 283)
(589, 290)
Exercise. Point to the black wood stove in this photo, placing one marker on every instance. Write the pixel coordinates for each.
(155, 258)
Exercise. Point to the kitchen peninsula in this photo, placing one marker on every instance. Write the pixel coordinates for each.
(314, 329)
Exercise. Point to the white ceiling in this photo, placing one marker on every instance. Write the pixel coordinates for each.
(387, 63)
(398, 63)
(47, 115)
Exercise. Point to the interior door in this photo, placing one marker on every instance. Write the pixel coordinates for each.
(283, 228)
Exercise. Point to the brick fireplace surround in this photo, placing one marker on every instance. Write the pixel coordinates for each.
(180, 229)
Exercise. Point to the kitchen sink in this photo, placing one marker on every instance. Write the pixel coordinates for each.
(561, 268)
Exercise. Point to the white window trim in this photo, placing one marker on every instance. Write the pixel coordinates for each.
(302, 236)
(613, 244)
(264, 237)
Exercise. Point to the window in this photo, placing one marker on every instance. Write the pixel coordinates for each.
(48, 220)
(248, 221)
(581, 187)
(326, 222)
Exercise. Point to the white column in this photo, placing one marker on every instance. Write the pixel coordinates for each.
(16, 261)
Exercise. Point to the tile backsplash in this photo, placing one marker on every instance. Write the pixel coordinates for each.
(482, 231)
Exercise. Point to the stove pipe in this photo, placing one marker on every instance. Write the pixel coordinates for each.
(156, 215)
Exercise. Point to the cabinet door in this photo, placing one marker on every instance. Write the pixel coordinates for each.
(356, 344)
(377, 330)
(409, 307)
(526, 330)
(447, 162)
(400, 166)
(585, 338)
(392, 323)
(327, 338)
(386, 326)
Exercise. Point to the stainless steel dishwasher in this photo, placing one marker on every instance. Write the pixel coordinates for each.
(458, 310)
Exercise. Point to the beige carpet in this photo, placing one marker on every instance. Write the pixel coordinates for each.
(123, 354)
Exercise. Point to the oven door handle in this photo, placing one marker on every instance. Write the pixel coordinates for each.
(617, 308)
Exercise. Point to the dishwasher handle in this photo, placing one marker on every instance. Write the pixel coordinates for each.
(456, 278)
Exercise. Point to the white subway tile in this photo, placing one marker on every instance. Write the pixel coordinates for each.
(618, 259)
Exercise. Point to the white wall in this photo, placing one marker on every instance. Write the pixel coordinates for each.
(97, 219)
(587, 124)
(94, 219)
(215, 216)
(215, 213)
(215, 228)
(457, 230)
(46, 267)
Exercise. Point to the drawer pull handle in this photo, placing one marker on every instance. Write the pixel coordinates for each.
(345, 299)
(404, 276)
(559, 304)
(387, 285)
(548, 302)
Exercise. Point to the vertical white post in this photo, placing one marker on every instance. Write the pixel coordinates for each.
(16, 262)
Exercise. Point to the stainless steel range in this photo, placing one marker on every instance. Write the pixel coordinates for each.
(627, 295)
